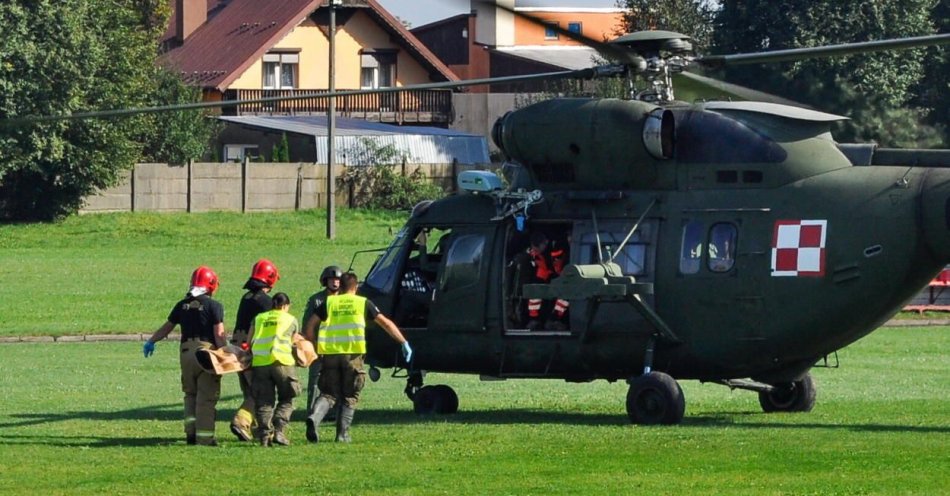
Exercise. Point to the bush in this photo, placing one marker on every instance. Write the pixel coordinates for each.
(376, 182)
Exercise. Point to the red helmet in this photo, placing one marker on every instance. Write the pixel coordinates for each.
(266, 272)
(204, 277)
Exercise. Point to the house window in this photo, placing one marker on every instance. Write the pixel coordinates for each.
(574, 27)
(280, 70)
(377, 70)
(236, 153)
(550, 30)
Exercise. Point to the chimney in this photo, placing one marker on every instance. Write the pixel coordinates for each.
(495, 27)
(189, 15)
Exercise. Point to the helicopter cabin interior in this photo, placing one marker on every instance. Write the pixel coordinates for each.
(453, 277)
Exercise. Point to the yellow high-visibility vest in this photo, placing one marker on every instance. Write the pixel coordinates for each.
(344, 329)
(272, 341)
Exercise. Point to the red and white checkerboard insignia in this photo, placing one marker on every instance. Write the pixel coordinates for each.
(798, 248)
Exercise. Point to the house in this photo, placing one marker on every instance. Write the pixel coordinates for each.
(492, 42)
(252, 49)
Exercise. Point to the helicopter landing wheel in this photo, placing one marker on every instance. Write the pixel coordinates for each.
(440, 400)
(655, 398)
(797, 396)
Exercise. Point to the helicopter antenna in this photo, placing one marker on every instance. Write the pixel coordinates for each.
(600, 251)
(633, 230)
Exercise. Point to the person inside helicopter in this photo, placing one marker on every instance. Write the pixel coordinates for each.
(721, 246)
(540, 263)
(418, 280)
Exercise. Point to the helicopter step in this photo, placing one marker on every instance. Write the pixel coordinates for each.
(795, 396)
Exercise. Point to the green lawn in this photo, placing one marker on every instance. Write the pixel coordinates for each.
(93, 418)
(120, 273)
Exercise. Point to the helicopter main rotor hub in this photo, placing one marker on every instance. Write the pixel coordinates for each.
(665, 53)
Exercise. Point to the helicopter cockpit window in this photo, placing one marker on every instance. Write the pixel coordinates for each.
(691, 251)
(463, 262)
(383, 273)
(705, 137)
(722, 247)
(632, 259)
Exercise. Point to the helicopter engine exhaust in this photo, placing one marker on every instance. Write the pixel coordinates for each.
(582, 143)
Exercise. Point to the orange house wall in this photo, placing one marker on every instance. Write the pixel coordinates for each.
(595, 25)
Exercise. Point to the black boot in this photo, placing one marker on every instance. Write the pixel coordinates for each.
(343, 421)
(320, 409)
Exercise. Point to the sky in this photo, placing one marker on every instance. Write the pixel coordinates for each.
(419, 12)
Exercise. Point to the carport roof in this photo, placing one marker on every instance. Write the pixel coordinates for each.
(422, 144)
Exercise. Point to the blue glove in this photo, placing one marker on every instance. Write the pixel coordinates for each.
(407, 352)
(148, 348)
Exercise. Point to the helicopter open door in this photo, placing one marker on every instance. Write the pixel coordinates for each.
(459, 296)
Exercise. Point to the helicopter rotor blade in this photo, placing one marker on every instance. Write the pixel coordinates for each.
(707, 88)
(589, 73)
(794, 54)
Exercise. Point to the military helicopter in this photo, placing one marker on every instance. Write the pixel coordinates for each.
(732, 242)
(726, 242)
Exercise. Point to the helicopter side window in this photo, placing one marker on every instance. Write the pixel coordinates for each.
(722, 246)
(632, 259)
(463, 262)
(691, 251)
(383, 273)
(418, 278)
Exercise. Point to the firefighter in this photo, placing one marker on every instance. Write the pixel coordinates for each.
(272, 367)
(342, 347)
(330, 280)
(256, 300)
(202, 327)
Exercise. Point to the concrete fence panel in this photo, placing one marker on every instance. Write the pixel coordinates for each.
(271, 187)
(160, 188)
(117, 199)
(248, 187)
(216, 186)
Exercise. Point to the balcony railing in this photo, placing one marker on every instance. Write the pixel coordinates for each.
(407, 106)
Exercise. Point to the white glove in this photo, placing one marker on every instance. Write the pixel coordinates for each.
(407, 352)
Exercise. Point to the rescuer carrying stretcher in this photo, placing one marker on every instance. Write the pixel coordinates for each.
(202, 327)
(256, 300)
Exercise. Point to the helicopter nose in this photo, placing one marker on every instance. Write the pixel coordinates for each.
(936, 213)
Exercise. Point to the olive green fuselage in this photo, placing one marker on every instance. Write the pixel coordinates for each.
(766, 248)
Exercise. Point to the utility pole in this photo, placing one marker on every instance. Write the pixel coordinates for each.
(331, 126)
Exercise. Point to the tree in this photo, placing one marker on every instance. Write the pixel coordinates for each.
(176, 137)
(66, 56)
(873, 89)
(934, 91)
(693, 18)
(281, 150)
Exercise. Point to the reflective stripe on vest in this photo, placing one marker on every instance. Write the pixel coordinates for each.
(344, 330)
(271, 343)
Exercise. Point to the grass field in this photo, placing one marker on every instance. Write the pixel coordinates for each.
(120, 273)
(97, 418)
